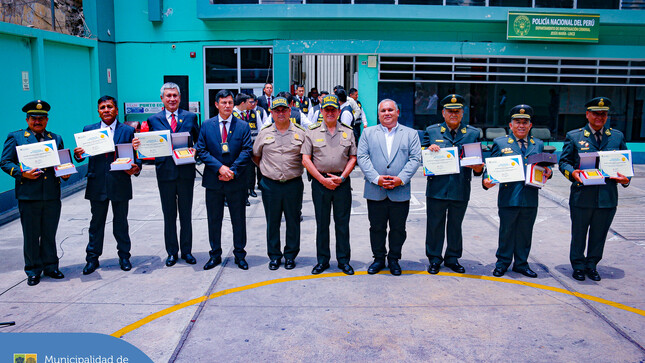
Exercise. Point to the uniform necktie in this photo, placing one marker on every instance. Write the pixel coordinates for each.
(173, 122)
(224, 132)
(523, 146)
(40, 137)
(598, 137)
(248, 115)
(453, 133)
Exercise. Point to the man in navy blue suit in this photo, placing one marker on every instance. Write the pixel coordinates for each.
(175, 182)
(105, 186)
(225, 147)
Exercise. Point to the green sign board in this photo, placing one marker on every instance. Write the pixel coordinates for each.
(553, 27)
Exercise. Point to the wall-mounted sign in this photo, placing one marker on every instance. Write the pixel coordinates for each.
(153, 107)
(553, 27)
(25, 81)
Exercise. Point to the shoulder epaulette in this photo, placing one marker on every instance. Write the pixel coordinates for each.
(349, 127)
(314, 126)
(265, 126)
(434, 126)
(300, 127)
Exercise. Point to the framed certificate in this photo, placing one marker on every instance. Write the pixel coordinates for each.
(94, 142)
(505, 169)
(38, 155)
(536, 175)
(442, 162)
(154, 144)
(613, 162)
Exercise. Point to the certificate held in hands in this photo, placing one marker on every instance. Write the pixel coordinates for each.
(154, 144)
(94, 142)
(38, 155)
(614, 162)
(442, 162)
(505, 169)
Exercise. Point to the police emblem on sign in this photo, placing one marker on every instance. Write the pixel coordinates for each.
(522, 25)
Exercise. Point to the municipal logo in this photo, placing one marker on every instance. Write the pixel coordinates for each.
(25, 358)
(522, 25)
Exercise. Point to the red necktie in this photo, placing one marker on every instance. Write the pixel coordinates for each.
(224, 132)
(173, 122)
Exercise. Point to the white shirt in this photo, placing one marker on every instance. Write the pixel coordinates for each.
(389, 140)
(228, 123)
(345, 117)
(169, 117)
(110, 128)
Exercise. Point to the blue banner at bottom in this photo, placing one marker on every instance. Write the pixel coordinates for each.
(67, 348)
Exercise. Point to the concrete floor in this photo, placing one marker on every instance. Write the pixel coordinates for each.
(262, 315)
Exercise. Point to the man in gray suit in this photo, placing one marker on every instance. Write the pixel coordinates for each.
(388, 154)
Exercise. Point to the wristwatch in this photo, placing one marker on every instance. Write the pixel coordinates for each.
(342, 179)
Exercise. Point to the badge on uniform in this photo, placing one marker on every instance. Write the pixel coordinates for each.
(252, 125)
(587, 133)
(295, 136)
(344, 135)
(463, 131)
(442, 130)
(225, 149)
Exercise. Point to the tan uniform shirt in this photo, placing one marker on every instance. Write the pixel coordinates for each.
(279, 153)
(329, 152)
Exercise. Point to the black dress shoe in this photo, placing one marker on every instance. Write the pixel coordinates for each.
(434, 268)
(346, 268)
(593, 274)
(289, 264)
(252, 193)
(190, 259)
(578, 275)
(395, 269)
(376, 266)
(526, 272)
(56, 274)
(499, 272)
(319, 268)
(214, 261)
(125, 264)
(33, 280)
(90, 267)
(248, 204)
(171, 260)
(241, 263)
(456, 267)
(274, 265)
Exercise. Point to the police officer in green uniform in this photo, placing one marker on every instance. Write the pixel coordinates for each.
(592, 207)
(448, 195)
(517, 202)
(277, 152)
(38, 194)
(329, 154)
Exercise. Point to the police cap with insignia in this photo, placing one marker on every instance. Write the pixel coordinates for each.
(279, 102)
(522, 111)
(598, 104)
(37, 108)
(453, 102)
(330, 100)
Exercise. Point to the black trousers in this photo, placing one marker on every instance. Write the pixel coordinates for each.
(39, 220)
(177, 195)
(341, 201)
(436, 211)
(357, 131)
(381, 213)
(596, 222)
(99, 209)
(279, 198)
(515, 236)
(215, 214)
(250, 174)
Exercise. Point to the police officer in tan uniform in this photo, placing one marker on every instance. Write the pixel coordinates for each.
(329, 154)
(277, 152)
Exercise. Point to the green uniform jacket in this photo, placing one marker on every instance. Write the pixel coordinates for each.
(583, 141)
(516, 194)
(47, 185)
(451, 186)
